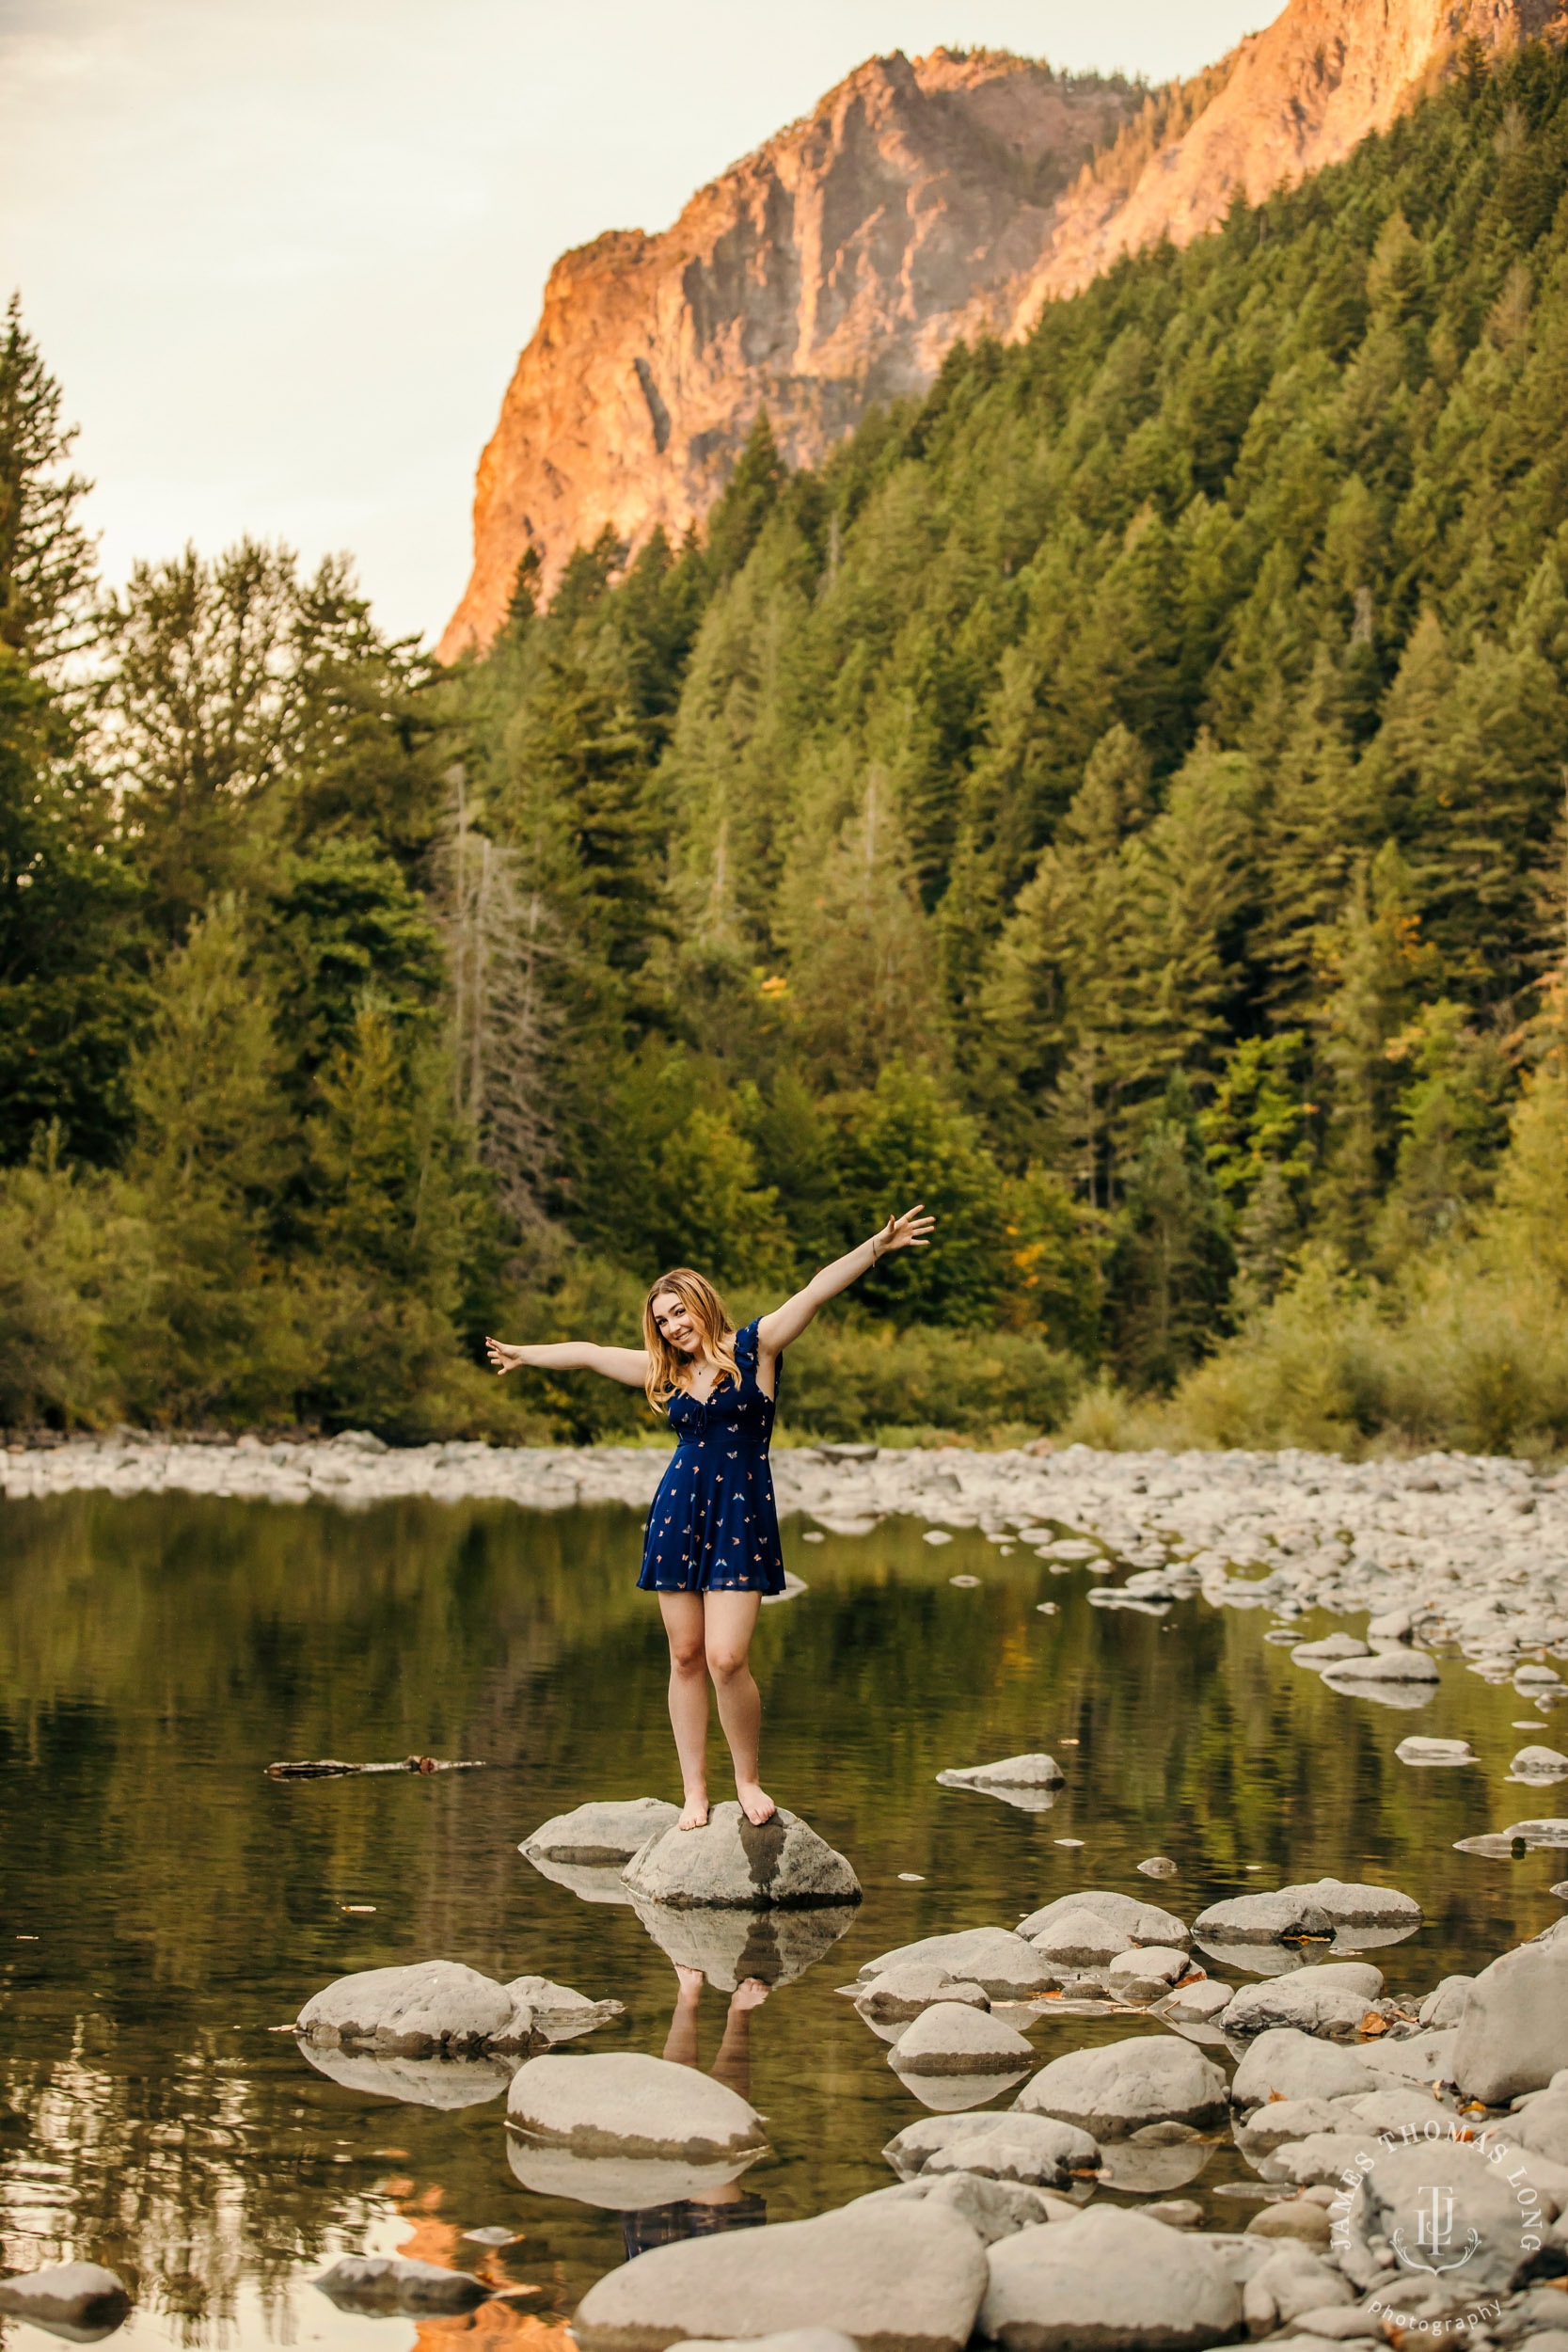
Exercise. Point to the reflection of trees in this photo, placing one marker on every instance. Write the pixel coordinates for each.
(155, 1654)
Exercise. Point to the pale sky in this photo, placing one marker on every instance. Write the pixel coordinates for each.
(282, 254)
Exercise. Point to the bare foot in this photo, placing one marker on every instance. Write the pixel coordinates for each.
(696, 1811)
(691, 1981)
(755, 1804)
(751, 1993)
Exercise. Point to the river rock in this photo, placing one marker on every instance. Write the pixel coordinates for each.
(1201, 2003)
(1291, 2283)
(601, 1834)
(1130, 2086)
(622, 2103)
(1108, 2279)
(1513, 2034)
(1444, 2005)
(1298, 2218)
(1351, 1904)
(1285, 2063)
(950, 2039)
(1002, 1964)
(433, 2003)
(386, 2282)
(1280, 2120)
(901, 1993)
(1158, 1866)
(732, 1865)
(555, 2010)
(993, 2209)
(1128, 1920)
(1423, 2057)
(728, 1945)
(901, 2276)
(1397, 2105)
(1271, 1918)
(1385, 1665)
(1332, 1650)
(1318, 2157)
(1542, 2126)
(1011, 1771)
(1330, 2001)
(1416, 1750)
(1399, 2186)
(910, 2151)
(1539, 1763)
(1146, 1973)
(1038, 2150)
(70, 2295)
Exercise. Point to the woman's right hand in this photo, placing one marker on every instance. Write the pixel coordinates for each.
(504, 1358)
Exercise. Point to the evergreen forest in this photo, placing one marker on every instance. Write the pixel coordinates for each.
(1118, 800)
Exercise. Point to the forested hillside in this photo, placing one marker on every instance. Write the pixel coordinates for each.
(1119, 799)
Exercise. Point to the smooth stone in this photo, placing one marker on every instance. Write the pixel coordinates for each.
(1330, 2001)
(1280, 2120)
(622, 2103)
(445, 2084)
(1177, 2213)
(947, 2038)
(1513, 2035)
(910, 2151)
(1124, 2087)
(1109, 2279)
(1002, 1964)
(1444, 2005)
(1320, 2156)
(1332, 1649)
(1200, 2004)
(903, 1992)
(1416, 1750)
(895, 2276)
(1543, 2125)
(595, 1835)
(617, 2183)
(1401, 2184)
(1538, 1763)
(1263, 1919)
(1351, 1904)
(1081, 1938)
(558, 2013)
(386, 2282)
(1129, 1919)
(1036, 2150)
(732, 1865)
(1295, 2217)
(1424, 2058)
(993, 2209)
(1285, 2063)
(1532, 1675)
(729, 1946)
(1293, 2281)
(1387, 1665)
(433, 2003)
(1146, 1973)
(1159, 1866)
(1389, 2110)
(1012, 1772)
(68, 2297)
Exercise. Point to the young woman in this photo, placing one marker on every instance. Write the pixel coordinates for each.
(711, 1548)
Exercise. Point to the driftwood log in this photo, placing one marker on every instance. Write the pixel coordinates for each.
(331, 1767)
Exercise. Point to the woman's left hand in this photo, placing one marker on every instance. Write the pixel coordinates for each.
(909, 1231)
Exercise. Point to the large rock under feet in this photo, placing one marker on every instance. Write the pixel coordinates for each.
(733, 1865)
(895, 2277)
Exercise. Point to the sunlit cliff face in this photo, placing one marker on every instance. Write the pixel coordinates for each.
(677, 1325)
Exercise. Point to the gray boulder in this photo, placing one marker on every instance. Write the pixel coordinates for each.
(1011, 1771)
(904, 1991)
(949, 2038)
(554, 2011)
(1285, 2063)
(1351, 1904)
(1273, 1918)
(1292, 2283)
(68, 2297)
(597, 1835)
(1416, 1750)
(1321, 2156)
(1109, 2279)
(910, 2151)
(898, 2276)
(1398, 2190)
(1146, 1973)
(1446, 2003)
(1137, 2085)
(1400, 2104)
(993, 2209)
(435, 2004)
(1329, 2001)
(1202, 2003)
(622, 2103)
(1331, 1651)
(1131, 1919)
(1385, 1665)
(1542, 2126)
(1513, 2034)
(1036, 2149)
(385, 2282)
(1539, 1763)
(733, 1865)
(1278, 2121)
(1002, 1964)
(1422, 2058)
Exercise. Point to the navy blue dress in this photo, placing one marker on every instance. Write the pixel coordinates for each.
(714, 1527)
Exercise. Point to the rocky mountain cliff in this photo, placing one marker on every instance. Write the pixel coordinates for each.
(921, 200)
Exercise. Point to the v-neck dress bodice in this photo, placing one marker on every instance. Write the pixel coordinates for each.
(714, 1526)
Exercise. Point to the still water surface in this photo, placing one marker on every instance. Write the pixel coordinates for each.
(165, 1904)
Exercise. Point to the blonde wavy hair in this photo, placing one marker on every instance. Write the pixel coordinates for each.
(712, 1318)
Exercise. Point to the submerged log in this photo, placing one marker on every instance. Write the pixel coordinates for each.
(331, 1767)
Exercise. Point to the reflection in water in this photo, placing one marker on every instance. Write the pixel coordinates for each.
(703, 2212)
(157, 1653)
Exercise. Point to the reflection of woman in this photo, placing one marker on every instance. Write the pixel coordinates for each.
(730, 2207)
(711, 1548)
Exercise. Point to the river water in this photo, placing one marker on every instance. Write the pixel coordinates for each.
(165, 1904)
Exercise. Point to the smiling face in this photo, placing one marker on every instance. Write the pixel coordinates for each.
(676, 1323)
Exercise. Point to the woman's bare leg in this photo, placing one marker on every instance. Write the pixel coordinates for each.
(730, 1620)
(683, 1623)
(680, 2044)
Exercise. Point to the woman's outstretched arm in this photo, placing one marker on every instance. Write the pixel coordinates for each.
(775, 1332)
(629, 1365)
